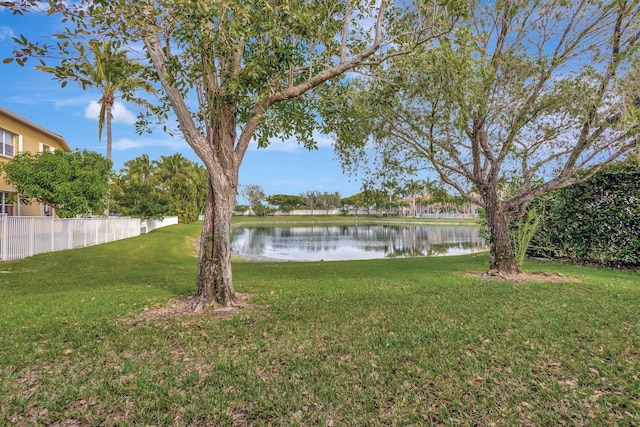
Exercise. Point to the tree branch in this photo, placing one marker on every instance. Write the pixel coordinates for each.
(292, 92)
(192, 135)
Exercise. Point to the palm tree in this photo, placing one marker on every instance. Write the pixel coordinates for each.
(109, 70)
(430, 186)
(200, 180)
(135, 191)
(413, 189)
(140, 169)
(112, 73)
(172, 170)
(186, 184)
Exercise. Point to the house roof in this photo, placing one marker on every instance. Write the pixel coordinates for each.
(32, 125)
(411, 199)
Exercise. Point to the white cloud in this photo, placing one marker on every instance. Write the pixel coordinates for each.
(6, 33)
(323, 140)
(119, 112)
(292, 145)
(92, 111)
(133, 143)
(76, 101)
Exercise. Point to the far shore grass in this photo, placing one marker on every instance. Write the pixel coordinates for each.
(414, 341)
(249, 220)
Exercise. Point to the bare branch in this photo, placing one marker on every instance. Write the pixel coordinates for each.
(345, 32)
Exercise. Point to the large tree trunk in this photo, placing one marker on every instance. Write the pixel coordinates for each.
(502, 257)
(109, 118)
(214, 282)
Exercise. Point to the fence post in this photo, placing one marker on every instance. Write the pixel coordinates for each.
(32, 236)
(52, 227)
(3, 238)
(69, 235)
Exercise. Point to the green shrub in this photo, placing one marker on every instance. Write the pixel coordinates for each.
(522, 233)
(597, 221)
(240, 209)
(185, 210)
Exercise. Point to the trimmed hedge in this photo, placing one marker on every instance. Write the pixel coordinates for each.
(596, 222)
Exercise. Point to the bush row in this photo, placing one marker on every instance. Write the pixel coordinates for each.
(597, 221)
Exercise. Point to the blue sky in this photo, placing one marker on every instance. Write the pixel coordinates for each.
(283, 167)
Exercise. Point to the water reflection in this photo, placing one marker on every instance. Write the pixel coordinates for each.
(351, 242)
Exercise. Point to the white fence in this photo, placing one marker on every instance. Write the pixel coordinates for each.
(21, 236)
(147, 225)
(364, 212)
(449, 215)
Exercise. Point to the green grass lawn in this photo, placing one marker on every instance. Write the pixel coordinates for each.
(385, 342)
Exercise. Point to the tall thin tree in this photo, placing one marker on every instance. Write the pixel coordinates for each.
(113, 74)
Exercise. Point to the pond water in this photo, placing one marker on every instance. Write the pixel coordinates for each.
(352, 242)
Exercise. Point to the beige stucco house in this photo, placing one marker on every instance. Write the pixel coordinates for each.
(19, 135)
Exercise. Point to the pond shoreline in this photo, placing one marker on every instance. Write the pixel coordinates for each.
(242, 221)
(355, 240)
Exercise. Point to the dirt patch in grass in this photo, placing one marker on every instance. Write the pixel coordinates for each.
(184, 307)
(522, 277)
(195, 243)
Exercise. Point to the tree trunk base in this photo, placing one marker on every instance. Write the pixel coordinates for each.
(494, 274)
(198, 304)
(194, 306)
(499, 274)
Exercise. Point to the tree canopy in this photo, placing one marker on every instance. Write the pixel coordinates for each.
(74, 183)
(523, 95)
(171, 185)
(105, 66)
(231, 71)
(284, 202)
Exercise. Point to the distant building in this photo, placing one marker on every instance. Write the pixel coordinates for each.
(19, 135)
(414, 206)
(421, 206)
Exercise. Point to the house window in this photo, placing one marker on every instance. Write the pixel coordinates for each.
(7, 141)
(6, 203)
(46, 147)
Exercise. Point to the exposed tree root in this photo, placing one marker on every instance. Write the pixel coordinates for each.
(194, 306)
(522, 277)
(495, 274)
